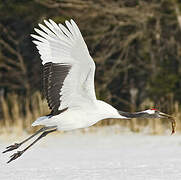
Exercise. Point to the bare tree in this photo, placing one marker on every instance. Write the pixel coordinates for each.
(12, 64)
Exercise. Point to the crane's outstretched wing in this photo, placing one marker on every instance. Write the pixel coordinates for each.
(68, 72)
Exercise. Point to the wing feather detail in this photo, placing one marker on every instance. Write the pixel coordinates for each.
(54, 75)
(68, 69)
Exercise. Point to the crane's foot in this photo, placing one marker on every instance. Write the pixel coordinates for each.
(12, 147)
(15, 156)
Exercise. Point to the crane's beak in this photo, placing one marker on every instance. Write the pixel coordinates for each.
(173, 122)
(163, 115)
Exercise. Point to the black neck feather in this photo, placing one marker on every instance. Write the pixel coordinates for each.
(136, 114)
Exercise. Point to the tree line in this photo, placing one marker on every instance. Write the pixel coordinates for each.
(136, 45)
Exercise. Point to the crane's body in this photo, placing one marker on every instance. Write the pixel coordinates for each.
(63, 49)
(68, 79)
(80, 117)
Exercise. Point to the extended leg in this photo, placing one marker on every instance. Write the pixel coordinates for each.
(17, 145)
(19, 153)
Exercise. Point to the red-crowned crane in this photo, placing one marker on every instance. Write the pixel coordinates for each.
(68, 78)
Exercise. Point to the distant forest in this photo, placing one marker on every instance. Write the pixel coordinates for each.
(136, 45)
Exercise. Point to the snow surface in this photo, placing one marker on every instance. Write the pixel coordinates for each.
(96, 156)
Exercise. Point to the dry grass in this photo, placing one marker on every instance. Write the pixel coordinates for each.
(18, 114)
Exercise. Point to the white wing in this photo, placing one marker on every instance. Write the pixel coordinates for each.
(61, 46)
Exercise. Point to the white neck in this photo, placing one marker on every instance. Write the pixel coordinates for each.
(107, 111)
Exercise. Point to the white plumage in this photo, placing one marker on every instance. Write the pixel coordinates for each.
(68, 78)
(59, 44)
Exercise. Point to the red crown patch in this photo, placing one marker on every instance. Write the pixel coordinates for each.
(154, 109)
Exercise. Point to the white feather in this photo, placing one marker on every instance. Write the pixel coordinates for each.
(60, 44)
(149, 111)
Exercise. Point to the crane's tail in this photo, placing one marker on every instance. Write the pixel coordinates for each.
(40, 120)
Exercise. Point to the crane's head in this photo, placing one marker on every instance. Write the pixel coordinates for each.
(149, 113)
(155, 113)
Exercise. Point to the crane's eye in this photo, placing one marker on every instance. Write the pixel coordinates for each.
(157, 112)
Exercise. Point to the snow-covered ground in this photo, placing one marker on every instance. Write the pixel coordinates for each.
(94, 156)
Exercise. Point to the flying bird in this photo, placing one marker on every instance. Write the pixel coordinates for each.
(68, 80)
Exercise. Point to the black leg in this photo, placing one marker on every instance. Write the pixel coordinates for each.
(19, 153)
(17, 145)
